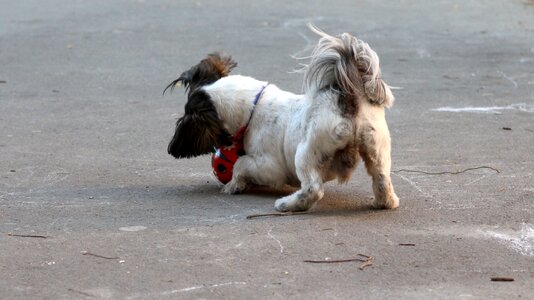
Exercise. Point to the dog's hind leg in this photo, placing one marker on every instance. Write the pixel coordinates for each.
(376, 153)
(311, 182)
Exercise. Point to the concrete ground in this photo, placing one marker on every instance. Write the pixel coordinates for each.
(84, 130)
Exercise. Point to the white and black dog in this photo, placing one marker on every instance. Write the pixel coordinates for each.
(298, 140)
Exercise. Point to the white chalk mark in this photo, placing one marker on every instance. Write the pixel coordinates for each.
(58, 216)
(188, 289)
(228, 283)
(450, 207)
(478, 179)
(182, 290)
(277, 240)
(508, 78)
(521, 242)
(132, 228)
(413, 185)
(488, 109)
(56, 176)
(235, 218)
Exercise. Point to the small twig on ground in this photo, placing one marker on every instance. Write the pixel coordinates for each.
(502, 279)
(277, 214)
(28, 236)
(366, 256)
(366, 259)
(97, 255)
(82, 293)
(406, 244)
(366, 264)
(446, 172)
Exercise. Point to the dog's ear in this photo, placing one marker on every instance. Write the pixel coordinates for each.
(184, 79)
(376, 88)
(200, 130)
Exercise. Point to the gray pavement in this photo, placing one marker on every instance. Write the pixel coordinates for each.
(84, 130)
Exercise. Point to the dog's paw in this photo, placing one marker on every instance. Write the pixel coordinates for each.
(229, 189)
(390, 202)
(233, 187)
(289, 203)
(281, 205)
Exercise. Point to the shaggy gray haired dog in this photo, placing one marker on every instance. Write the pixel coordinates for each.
(298, 140)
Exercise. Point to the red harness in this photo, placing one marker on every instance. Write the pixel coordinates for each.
(224, 158)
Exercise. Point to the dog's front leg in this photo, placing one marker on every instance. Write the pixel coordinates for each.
(255, 169)
(241, 170)
(311, 183)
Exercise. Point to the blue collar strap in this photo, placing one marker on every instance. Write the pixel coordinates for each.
(258, 96)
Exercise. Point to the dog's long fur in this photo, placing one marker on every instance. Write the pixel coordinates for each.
(200, 129)
(300, 140)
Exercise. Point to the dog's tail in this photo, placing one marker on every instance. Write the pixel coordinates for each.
(209, 70)
(348, 66)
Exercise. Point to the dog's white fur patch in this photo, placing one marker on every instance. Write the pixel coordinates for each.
(307, 140)
(292, 139)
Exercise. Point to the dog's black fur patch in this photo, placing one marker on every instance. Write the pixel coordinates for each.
(200, 130)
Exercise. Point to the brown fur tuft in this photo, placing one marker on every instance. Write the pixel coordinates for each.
(345, 161)
(207, 71)
(222, 65)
